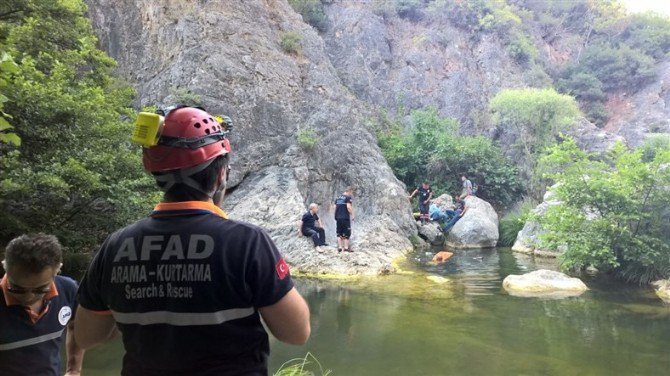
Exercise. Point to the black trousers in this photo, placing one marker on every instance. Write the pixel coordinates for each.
(317, 234)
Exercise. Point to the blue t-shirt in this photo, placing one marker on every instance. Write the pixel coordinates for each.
(184, 287)
(341, 202)
(33, 348)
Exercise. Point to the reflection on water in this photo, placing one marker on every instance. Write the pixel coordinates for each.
(411, 325)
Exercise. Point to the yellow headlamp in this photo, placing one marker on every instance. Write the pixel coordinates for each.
(147, 129)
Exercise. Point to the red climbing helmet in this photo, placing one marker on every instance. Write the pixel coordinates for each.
(189, 137)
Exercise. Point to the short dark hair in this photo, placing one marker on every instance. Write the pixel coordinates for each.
(33, 253)
(206, 178)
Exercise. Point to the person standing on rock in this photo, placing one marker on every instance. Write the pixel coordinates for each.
(425, 194)
(187, 287)
(467, 187)
(312, 227)
(344, 215)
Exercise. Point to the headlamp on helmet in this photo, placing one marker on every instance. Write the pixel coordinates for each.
(185, 137)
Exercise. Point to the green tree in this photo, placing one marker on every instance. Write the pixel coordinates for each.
(75, 174)
(614, 213)
(531, 120)
(429, 148)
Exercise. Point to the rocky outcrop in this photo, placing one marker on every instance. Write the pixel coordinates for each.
(544, 283)
(431, 233)
(663, 289)
(478, 228)
(528, 239)
(229, 56)
(644, 113)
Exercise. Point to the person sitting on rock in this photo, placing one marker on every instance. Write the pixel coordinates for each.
(436, 213)
(461, 208)
(312, 226)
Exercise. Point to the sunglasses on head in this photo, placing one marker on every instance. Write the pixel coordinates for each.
(21, 291)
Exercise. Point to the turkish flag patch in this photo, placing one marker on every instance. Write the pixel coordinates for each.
(282, 269)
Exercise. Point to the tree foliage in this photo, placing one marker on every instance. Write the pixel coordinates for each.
(75, 173)
(614, 213)
(531, 120)
(430, 149)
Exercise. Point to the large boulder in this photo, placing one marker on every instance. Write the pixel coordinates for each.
(432, 233)
(663, 289)
(478, 228)
(276, 203)
(527, 241)
(546, 283)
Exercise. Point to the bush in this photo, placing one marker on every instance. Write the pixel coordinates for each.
(429, 148)
(512, 223)
(75, 173)
(312, 12)
(521, 49)
(307, 139)
(614, 214)
(290, 42)
(531, 120)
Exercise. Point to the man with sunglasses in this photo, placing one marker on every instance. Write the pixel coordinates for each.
(186, 286)
(36, 307)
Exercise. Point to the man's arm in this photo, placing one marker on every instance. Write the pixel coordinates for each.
(413, 193)
(74, 353)
(350, 208)
(93, 328)
(430, 195)
(288, 319)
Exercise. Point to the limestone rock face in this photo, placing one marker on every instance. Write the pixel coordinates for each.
(274, 202)
(478, 228)
(663, 289)
(646, 112)
(527, 241)
(543, 283)
(229, 56)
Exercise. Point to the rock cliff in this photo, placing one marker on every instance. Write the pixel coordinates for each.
(229, 54)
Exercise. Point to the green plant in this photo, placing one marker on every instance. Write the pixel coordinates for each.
(512, 223)
(614, 213)
(312, 12)
(75, 173)
(186, 97)
(290, 42)
(307, 139)
(532, 119)
(429, 147)
(301, 367)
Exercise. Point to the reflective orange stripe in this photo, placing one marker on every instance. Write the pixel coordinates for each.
(191, 205)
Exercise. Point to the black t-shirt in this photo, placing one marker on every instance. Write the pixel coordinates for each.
(309, 220)
(341, 202)
(424, 193)
(184, 287)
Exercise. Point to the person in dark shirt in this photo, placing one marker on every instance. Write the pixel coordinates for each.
(458, 213)
(425, 194)
(312, 226)
(344, 215)
(36, 307)
(187, 287)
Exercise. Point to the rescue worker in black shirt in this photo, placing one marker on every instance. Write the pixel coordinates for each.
(187, 287)
(344, 214)
(425, 194)
(311, 226)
